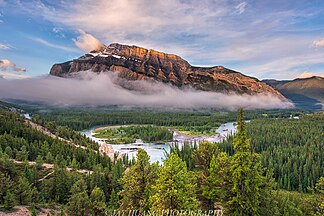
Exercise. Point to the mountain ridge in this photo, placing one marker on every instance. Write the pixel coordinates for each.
(304, 92)
(137, 63)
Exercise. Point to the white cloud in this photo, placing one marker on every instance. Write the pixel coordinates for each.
(58, 31)
(319, 42)
(240, 8)
(256, 36)
(308, 74)
(87, 42)
(102, 89)
(4, 46)
(9, 76)
(56, 46)
(7, 65)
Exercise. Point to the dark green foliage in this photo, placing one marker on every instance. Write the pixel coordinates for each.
(9, 201)
(22, 142)
(137, 183)
(293, 149)
(97, 202)
(129, 134)
(79, 202)
(27, 184)
(25, 192)
(185, 153)
(191, 176)
(174, 188)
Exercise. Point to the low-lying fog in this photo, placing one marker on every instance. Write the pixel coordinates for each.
(89, 88)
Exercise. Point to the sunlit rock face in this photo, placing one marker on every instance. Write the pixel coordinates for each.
(137, 63)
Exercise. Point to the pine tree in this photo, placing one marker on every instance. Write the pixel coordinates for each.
(39, 162)
(97, 202)
(246, 172)
(174, 189)
(218, 181)
(79, 201)
(24, 191)
(202, 157)
(113, 201)
(320, 190)
(9, 201)
(5, 185)
(137, 183)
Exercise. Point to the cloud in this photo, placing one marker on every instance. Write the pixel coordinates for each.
(9, 76)
(4, 46)
(87, 42)
(318, 43)
(56, 46)
(105, 89)
(308, 74)
(238, 34)
(240, 8)
(7, 65)
(58, 31)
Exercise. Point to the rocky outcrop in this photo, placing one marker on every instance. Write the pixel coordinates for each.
(136, 63)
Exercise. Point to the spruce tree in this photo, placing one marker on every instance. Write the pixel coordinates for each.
(79, 201)
(24, 191)
(97, 202)
(202, 157)
(174, 189)
(137, 182)
(218, 181)
(246, 172)
(113, 201)
(9, 201)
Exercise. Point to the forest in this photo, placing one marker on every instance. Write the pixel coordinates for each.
(184, 120)
(265, 169)
(129, 134)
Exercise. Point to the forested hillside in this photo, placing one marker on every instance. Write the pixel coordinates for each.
(41, 171)
(292, 148)
(271, 167)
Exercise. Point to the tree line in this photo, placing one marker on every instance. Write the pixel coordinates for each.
(128, 134)
(230, 176)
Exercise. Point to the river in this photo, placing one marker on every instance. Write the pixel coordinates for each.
(157, 150)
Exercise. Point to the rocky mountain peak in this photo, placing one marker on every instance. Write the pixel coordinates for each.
(137, 63)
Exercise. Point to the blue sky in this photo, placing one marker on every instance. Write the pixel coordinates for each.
(264, 39)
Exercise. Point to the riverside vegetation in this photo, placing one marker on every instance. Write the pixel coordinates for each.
(264, 170)
(129, 134)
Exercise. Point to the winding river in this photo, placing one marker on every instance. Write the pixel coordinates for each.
(157, 150)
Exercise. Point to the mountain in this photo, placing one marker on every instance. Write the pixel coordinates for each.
(305, 93)
(136, 63)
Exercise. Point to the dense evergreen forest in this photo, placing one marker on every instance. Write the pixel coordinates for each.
(129, 134)
(197, 120)
(271, 167)
(293, 149)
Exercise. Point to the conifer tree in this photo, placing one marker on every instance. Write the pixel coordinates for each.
(137, 183)
(79, 201)
(24, 191)
(173, 188)
(97, 202)
(218, 181)
(246, 172)
(9, 201)
(113, 201)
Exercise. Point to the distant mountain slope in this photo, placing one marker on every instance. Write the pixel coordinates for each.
(305, 93)
(136, 63)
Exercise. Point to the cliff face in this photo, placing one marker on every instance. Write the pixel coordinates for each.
(136, 63)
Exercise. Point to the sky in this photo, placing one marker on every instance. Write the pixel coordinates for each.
(264, 39)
